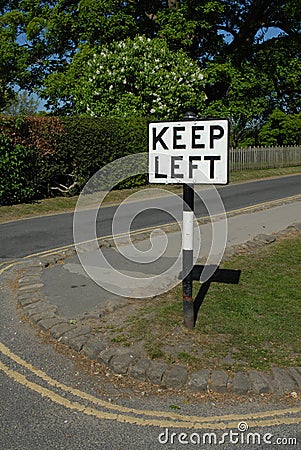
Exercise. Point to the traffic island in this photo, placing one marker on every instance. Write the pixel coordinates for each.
(84, 335)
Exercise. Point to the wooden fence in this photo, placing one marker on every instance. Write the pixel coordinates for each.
(264, 157)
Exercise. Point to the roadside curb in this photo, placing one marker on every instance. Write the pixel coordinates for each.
(122, 361)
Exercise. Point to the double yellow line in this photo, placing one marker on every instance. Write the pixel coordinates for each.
(108, 411)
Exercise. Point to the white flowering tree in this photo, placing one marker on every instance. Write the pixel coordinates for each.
(139, 76)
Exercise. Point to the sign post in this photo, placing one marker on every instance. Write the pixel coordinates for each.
(191, 151)
(187, 249)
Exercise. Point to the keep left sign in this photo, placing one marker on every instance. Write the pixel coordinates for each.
(191, 151)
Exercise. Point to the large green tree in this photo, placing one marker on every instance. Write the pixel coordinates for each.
(139, 76)
(226, 38)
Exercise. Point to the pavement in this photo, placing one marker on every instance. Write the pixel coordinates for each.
(27, 236)
(61, 299)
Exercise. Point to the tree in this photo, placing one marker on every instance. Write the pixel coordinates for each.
(50, 31)
(43, 37)
(281, 64)
(10, 65)
(22, 105)
(281, 129)
(247, 100)
(137, 76)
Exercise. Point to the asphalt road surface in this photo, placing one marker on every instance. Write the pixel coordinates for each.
(51, 400)
(29, 236)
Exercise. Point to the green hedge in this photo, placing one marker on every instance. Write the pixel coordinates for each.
(90, 144)
(40, 155)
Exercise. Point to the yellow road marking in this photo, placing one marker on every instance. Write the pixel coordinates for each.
(260, 205)
(166, 225)
(168, 193)
(122, 414)
(259, 419)
(146, 230)
(9, 266)
(220, 423)
(7, 262)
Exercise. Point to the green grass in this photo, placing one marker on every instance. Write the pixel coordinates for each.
(255, 324)
(65, 204)
(246, 175)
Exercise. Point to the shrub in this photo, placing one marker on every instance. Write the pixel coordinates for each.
(44, 156)
(18, 181)
(91, 143)
(28, 148)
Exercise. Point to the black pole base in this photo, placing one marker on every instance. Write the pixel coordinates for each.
(188, 310)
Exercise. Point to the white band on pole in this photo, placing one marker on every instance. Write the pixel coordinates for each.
(187, 242)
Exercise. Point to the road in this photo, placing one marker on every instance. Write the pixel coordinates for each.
(50, 400)
(25, 237)
(53, 400)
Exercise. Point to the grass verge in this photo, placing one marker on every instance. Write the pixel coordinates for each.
(255, 324)
(67, 204)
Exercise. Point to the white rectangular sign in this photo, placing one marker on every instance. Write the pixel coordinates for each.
(190, 151)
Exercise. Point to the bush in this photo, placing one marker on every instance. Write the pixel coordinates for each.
(90, 143)
(28, 147)
(47, 156)
(18, 172)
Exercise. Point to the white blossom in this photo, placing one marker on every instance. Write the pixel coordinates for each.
(159, 81)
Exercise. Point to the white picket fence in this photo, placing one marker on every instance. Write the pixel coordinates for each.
(264, 157)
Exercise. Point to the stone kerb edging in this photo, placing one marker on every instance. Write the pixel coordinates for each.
(80, 338)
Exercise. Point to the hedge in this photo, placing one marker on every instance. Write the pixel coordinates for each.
(47, 156)
(92, 143)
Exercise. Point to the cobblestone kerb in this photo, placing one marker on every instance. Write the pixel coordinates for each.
(80, 338)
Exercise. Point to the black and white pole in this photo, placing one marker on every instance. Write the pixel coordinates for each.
(187, 247)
